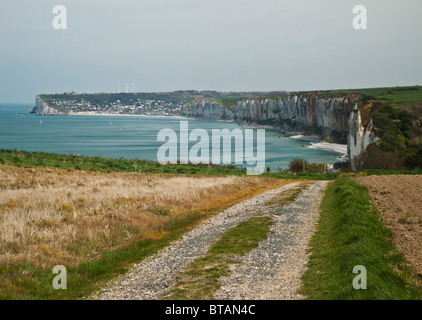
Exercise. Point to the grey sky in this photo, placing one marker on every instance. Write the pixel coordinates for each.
(166, 45)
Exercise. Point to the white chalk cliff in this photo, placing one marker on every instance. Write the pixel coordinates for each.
(360, 136)
(42, 107)
(335, 119)
(209, 109)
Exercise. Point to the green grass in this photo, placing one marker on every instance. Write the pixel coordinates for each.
(230, 103)
(300, 175)
(70, 161)
(201, 279)
(76, 162)
(396, 95)
(287, 196)
(27, 282)
(350, 233)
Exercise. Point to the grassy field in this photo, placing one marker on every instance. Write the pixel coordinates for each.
(350, 233)
(98, 164)
(97, 224)
(396, 95)
(70, 161)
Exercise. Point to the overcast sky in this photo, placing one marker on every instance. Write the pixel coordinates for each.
(225, 45)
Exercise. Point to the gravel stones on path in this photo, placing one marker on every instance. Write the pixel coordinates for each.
(151, 278)
(274, 269)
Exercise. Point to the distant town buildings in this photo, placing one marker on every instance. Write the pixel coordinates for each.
(137, 106)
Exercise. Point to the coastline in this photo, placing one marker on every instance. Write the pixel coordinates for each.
(333, 147)
(314, 141)
(317, 143)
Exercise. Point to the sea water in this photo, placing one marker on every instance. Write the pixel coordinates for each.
(131, 137)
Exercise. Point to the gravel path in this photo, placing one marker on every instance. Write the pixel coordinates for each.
(152, 277)
(274, 269)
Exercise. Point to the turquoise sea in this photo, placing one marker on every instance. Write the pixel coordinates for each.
(125, 136)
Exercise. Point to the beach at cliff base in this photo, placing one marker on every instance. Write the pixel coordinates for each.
(316, 143)
(334, 147)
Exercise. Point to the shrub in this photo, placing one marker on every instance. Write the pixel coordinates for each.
(374, 158)
(414, 161)
(314, 167)
(298, 165)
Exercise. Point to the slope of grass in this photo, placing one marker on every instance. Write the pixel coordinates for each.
(350, 233)
(300, 175)
(229, 103)
(80, 162)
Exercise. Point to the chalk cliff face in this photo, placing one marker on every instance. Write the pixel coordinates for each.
(208, 109)
(328, 118)
(360, 136)
(42, 107)
(336, 119)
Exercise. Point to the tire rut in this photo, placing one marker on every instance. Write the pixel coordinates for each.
(273, 271)
(154, 275)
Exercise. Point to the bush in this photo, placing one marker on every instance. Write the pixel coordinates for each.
(374, 158)
(298, 165)
(414, 161)
(319, 168)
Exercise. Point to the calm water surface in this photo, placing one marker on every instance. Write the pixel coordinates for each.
(124, 136)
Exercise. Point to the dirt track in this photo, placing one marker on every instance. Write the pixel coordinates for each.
(398, 199)
(271, 271)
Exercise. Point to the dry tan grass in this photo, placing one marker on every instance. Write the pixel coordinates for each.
(50, 216)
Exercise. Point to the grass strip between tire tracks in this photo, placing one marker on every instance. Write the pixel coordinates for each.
(201, 279)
